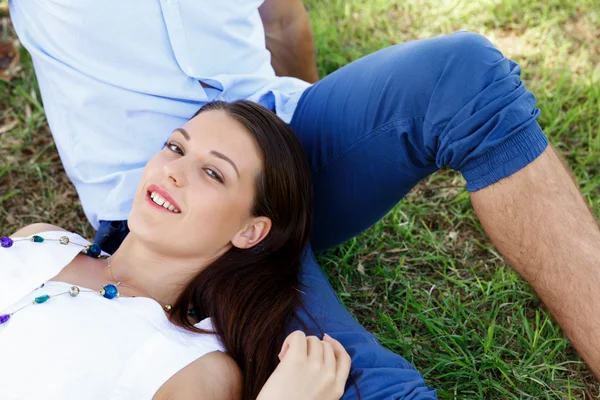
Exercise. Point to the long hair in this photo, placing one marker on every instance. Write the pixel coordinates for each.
(252, 294)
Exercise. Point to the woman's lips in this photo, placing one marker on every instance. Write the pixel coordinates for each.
(158, 198)
(164, 196)
(156, 206)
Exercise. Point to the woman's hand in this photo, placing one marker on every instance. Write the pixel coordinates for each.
(310, 369)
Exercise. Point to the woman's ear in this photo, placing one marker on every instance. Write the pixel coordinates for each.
(253, 233)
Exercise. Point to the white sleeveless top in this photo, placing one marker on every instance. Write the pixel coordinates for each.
(84, 347)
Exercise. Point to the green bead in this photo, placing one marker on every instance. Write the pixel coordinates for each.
(42, 299)
(37, 239)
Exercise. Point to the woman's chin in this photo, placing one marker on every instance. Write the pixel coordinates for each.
(143, 226)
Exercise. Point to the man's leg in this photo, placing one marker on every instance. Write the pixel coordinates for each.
(110, 235)
(376, 127)
(379, 373)
(539, 221)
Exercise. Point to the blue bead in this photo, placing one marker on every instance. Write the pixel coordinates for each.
(110, 291)
(4, 318)
(6, 242)
(94, 250)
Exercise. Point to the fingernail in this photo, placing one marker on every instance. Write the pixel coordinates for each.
(327, 336)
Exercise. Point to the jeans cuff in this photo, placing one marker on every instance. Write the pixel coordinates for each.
(505, 159)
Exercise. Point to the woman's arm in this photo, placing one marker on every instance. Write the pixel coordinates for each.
(213, 376)
(36, 228)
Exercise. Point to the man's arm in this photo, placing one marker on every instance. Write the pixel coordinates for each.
(539, 221)
(289, 39)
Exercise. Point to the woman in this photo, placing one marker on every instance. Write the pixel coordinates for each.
(219, 224)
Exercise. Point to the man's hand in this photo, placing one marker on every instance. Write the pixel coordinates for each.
(289, 39)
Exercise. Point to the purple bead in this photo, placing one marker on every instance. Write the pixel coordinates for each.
(4, 318)
(6, 242)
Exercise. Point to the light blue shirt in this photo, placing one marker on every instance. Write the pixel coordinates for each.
(117, 76)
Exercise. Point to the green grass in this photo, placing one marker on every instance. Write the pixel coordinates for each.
(425, 279)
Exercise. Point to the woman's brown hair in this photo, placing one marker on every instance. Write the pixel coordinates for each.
(251, 295)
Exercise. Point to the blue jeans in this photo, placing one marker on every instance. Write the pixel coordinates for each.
(372, 130)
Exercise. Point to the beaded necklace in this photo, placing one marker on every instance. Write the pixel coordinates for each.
(92, 250)
(108, 291)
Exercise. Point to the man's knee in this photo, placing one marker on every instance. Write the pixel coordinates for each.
(439, 76)
(472, 62)
(481, 115)
(471, 47)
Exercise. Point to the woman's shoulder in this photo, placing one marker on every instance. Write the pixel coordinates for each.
(173, 360)
(36, 228)
(214, 375)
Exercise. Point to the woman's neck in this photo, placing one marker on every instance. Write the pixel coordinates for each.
(149, 270)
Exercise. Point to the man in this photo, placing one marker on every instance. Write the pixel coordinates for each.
(118, 76)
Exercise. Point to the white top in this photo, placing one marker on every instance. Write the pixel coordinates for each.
(84, 347)
(117, 76)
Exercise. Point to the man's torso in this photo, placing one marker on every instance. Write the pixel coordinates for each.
(117, 77)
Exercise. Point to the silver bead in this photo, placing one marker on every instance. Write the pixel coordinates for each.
(74, 291)
(168, 307)
(63, 240)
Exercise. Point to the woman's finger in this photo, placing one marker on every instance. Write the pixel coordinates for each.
(295, 343)
(328, 356)
(284, 349)
(315, 350)
(342, 359)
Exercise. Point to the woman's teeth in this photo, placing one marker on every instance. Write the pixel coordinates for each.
(158, 199)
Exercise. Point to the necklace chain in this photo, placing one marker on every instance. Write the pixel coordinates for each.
(166, 307)
(92, 250)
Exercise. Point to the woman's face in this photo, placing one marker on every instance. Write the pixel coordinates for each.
(207, 173)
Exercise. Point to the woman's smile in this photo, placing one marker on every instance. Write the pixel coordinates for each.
(160, 199)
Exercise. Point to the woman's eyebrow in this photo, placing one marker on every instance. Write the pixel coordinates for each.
(213, 152)
(224, 157)
(183, 132)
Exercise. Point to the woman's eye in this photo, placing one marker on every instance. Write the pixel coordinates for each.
(214, 175)
(174, 148)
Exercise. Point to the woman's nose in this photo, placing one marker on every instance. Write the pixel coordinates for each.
(175, 172)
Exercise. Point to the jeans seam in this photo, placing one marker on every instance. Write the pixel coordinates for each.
(371, 134)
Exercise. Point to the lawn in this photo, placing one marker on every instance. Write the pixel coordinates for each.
(426, 280)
